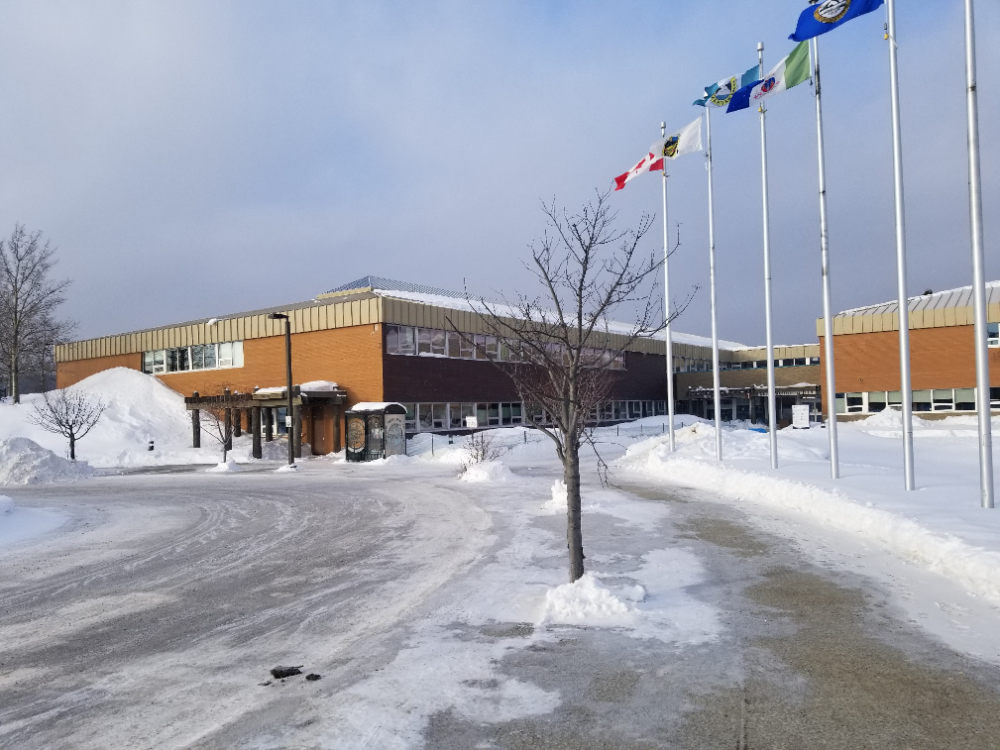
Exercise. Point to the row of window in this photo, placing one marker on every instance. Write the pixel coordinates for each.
(197, 357)
(931, 399)
(452, 416)
(433, 342)
(690, 364)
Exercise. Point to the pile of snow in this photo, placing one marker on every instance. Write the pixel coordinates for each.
(560, 498)
(139, 408)
(487, 471)
(587, 601)
(24, 461)
(888, 423)
(229, 467)
(286, 468)
(923, 540)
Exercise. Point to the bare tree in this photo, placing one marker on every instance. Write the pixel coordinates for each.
(37, 361)
(563, 350)
(71, 414)
(481, 447)
(217, 422)
(28, 297)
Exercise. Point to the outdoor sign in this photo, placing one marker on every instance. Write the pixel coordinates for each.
(800, 417)
(472, 422)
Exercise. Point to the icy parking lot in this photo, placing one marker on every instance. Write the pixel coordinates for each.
(148, 609)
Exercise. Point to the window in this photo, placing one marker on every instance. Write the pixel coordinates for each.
(439, 416)
(494, 414)
(965, 399)
(762, 363)
(994, 397)
(814, 360)
(922, 400)
(895, 398)
(225, 355)
(841, 403)
(423, 341)
(944, 399)
(198, 357)
(392, 339)
(491, 347)
(425, 417)
(855, 402)
(799, 362)
(876, 401)
(411, 417)
(454, 345)
(407, 340)
(437, 343)
(993, 334)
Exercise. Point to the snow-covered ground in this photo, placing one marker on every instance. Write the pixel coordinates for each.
(455, 556)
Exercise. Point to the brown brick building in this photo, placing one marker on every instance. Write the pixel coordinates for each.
(379, 340)
(942, 355)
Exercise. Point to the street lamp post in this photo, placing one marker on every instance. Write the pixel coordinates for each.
(288, 371)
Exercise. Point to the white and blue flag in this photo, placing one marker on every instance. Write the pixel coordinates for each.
(828, 15)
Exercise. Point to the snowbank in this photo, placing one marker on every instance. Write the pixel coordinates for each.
(229, 467)
(139, 409)
(487, 471)
(24, 461)
(921, 539)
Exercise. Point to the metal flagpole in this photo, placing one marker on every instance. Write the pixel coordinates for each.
(904, 311)
(772, 421)
(831, 390)
(711, 281)
(978, 279)
(666, 302)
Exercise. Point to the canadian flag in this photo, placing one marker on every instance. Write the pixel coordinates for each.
(687, 140)
(649, 163)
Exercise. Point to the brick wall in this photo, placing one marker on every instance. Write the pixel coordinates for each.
(68, 373)
(939, 358)
(350, 357)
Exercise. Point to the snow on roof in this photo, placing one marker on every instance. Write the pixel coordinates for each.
(319, 385)
(379, 282)
(948, 298)
(459, 302)
(374, 405)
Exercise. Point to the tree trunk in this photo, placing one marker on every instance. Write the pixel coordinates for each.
(574, 528)
(15, 376)
(72, 447)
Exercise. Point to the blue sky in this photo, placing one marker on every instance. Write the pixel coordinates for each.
(197, 158)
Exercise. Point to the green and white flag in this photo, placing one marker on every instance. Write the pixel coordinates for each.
(789, 72)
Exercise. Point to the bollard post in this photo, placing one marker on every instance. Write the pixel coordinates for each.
(432, 443)
(151, 445)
